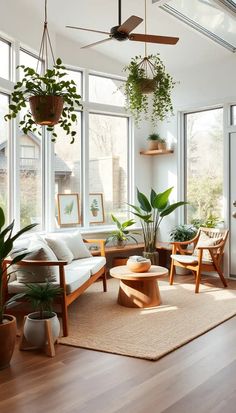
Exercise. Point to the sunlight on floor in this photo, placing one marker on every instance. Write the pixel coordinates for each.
(158, 309)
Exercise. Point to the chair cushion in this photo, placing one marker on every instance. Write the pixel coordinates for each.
(74, 242)
(37, 250)
(185, 259)
(205, 241)
(60, 249)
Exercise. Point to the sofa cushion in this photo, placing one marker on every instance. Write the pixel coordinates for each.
(74, 279)
(34, 274)
(74, 242)
(92, 264)
(60, 249)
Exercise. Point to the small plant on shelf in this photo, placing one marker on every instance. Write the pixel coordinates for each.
(121, 234)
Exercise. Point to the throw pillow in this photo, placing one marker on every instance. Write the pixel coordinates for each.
(35, 274)
(60, 249)
(75, 243)
(206, 241)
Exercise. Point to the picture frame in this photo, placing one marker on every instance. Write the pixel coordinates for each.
(96, 208)
(68, 209)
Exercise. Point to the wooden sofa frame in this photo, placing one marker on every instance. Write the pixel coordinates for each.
(66, 299)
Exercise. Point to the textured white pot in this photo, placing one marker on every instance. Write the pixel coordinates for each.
(34, 328)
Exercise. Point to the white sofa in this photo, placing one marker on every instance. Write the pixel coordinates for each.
(64, 260)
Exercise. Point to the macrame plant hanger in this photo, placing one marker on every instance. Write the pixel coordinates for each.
(146, 64)
(46, 45)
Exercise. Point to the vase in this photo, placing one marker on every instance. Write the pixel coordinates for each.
(152, 256)
(119, 243)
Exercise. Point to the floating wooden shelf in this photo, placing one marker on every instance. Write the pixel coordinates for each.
(156, 152)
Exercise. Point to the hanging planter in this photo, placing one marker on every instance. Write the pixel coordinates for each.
(46, 110)
(148, 76)
(52, 99)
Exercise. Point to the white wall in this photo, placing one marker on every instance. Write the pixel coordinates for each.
(206, 85)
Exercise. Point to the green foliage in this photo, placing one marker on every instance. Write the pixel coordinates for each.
(51, 83)
(211, 222)
(7, 240)
(137, 101)
(151, 212)
(41, 296)
(154, 137)
(121, 234)
(183, 233)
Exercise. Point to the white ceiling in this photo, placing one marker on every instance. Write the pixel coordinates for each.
(192, 49)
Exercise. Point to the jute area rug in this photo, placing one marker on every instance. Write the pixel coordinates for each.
(97, 322)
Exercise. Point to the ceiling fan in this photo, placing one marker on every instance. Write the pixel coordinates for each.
(123, 32)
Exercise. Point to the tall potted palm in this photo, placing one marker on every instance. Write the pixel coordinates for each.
(151, 213)
(7, 322)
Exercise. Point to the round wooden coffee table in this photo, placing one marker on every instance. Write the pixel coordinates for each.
(138, 289)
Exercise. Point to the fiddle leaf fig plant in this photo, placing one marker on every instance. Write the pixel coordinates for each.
(139, 84)
(51, 83)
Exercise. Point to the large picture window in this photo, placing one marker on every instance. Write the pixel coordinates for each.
(204, 164)
(108, 151)
(4, 139)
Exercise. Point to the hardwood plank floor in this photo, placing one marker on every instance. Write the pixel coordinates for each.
(198, 377)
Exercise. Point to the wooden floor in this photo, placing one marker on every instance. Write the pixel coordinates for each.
(198, 377)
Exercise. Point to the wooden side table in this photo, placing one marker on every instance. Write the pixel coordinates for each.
(138, 289)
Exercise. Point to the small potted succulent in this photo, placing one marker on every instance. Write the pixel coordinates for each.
(121, 235)
(52, 101)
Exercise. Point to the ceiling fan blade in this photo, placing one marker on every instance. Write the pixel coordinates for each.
(94, 44)
(150, 38)
(87, 30)
(130, 24)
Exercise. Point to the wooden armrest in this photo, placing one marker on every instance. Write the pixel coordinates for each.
(98, 241)
(37, 262)
(211, 248)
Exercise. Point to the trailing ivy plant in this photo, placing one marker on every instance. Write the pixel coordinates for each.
(137, 101)
(51, 83)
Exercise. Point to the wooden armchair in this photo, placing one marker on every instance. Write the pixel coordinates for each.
(206, 254)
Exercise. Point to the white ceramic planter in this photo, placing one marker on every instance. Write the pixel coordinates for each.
(34, 329)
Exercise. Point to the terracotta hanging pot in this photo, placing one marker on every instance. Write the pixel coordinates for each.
(46, 110)
(7, 340)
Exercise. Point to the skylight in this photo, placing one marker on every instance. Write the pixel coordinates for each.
(214, 18)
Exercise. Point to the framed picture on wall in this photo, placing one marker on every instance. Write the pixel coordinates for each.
(68, 209)
(96, 210)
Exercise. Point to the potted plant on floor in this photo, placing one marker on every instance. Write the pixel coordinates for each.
(41, 297)
(121, 235)
(7, 322)
(151, 213)
(148, 75)
(53, 100)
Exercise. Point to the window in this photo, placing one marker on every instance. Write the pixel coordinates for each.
(29, 60)
(214, 18)
(30, 181)
(108, 152)
(204, 164)
(106, 90)
(67, 164)
(75, 75)
(4, 139)
(5, 66)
